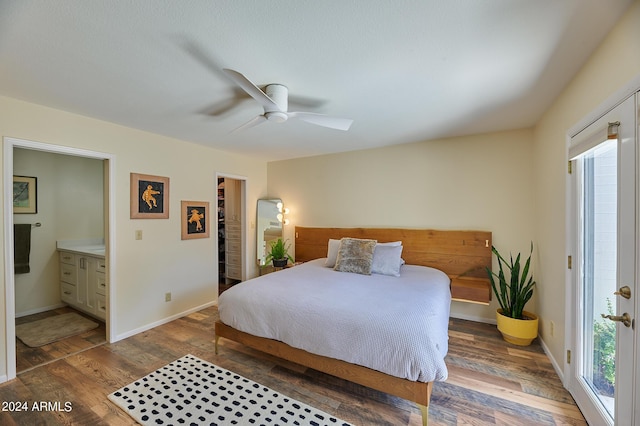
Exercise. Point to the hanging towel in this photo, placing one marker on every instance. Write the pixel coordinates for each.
(21, 247)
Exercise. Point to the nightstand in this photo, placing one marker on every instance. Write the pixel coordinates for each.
(267, 269)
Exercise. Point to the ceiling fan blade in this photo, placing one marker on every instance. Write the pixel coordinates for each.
(251, 123)
(323, 120)
(253, 90)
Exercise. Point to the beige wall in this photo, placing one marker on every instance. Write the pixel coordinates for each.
(612, 66)
(161, 262)
(480, 182)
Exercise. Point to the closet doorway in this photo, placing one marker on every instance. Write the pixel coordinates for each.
(55, 224)
(231, 196)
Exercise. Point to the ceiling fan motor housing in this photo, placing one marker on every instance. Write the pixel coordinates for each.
(278, 94)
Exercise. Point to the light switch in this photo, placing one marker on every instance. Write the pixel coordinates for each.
(138, 234)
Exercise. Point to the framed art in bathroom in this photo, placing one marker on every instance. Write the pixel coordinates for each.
(149, 197)
(25, 194)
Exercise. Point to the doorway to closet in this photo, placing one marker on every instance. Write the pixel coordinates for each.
(231, 230)
(74, 203)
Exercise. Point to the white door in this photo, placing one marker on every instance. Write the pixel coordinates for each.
(604, 259)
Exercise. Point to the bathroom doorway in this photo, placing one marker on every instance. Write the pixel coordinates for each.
(55, 221)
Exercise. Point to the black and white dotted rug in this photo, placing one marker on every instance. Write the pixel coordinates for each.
(190, 391)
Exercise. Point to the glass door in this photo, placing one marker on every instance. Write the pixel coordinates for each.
(604, 261)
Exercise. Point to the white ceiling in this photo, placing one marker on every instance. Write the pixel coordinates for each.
(403, 71)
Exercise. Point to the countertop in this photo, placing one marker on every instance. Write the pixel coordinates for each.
(89, 247)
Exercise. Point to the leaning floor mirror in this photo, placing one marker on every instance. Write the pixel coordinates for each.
(268, 226)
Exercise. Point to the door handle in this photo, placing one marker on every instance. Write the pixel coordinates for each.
(624, 318)
(624, 292)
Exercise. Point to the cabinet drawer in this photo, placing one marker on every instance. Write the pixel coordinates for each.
(101, 284)
(68, 293)
(233, 259)
(101, 265)
(101, 306)
(233, 246)
(68, 258)
(233, 236)
(233, 226)
(68, 273)
(234, 272)
(233, 232)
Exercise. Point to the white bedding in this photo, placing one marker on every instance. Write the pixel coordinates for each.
(396, 325)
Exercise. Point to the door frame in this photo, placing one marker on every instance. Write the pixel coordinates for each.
(628, 90)
(9, 277)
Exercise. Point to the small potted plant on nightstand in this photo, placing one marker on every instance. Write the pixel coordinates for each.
(516, 325)
(279, 254)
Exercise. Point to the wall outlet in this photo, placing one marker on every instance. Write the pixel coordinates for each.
(138, 234)
(552, 327)
(167, 297)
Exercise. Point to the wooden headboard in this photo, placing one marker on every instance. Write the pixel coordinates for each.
(462, 255)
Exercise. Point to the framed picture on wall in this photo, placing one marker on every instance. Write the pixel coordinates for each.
(25, 194)
(149, 197)
(195, 219)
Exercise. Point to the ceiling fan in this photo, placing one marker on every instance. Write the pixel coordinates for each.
(275, 102)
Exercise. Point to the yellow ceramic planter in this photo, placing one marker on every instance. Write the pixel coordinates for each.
(520, 332)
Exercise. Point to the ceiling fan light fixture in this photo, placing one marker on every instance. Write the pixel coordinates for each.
(276, 116)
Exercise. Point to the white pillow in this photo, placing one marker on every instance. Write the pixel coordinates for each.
(332, 253)
(387, 260)
(392, 243)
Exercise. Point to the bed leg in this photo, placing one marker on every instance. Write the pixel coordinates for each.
(424, 409)
(216, 345)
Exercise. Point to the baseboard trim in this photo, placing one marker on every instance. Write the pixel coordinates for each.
(163, 321)
(556, 366)
(474, 318)
(39, 310)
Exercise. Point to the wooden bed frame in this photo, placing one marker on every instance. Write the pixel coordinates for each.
(457, 253)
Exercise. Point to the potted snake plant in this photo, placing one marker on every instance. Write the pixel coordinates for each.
(279, 253)
(513, 290)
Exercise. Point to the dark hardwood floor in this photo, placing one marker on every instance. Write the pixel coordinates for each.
(490, 381)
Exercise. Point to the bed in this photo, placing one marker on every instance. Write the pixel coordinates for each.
(318, 317)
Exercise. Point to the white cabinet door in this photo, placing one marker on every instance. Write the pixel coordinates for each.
(87, 284)
(83, 283)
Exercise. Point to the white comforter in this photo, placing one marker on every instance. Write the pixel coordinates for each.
(396, 325)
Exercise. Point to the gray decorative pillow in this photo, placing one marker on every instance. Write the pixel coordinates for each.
(355, 255)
